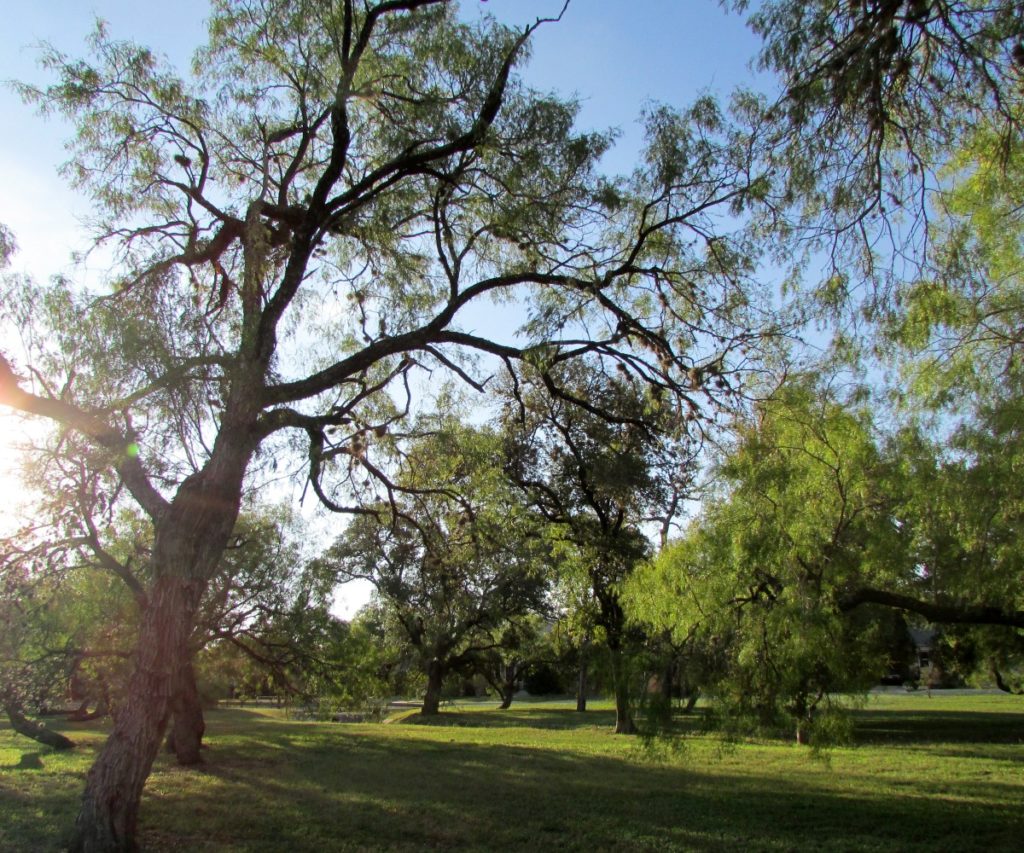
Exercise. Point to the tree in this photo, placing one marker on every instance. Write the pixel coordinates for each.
(92, 566)
(519, 647)
(804, 516)
(595, 479)
(454, 567)
(297, 230)
(961, 511)
(820, 531)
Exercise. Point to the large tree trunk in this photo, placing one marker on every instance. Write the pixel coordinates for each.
(190, 536)
(185, 733)
(435, 679)
(623, 716)
(32, 729)
(110, 805)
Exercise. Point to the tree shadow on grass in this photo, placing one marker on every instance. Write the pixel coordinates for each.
(299, 787)
(966, 727)
(274, 784)
(37, 806)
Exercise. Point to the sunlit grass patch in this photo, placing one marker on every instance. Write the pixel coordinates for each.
(543, 776)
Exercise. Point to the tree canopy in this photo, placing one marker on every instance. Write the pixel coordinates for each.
(301, 229)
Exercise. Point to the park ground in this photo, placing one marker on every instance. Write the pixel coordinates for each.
(940, 772)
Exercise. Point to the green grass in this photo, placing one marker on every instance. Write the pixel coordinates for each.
(939, 773)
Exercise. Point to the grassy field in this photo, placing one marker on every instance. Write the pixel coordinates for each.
(939, 773)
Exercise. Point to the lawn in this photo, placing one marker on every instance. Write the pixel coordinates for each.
(944, 772)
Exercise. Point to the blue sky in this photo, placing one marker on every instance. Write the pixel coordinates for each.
(615, 55)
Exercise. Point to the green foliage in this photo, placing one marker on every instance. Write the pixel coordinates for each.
(876, 102)
(957, 327)
(752, 591)
(458, 567)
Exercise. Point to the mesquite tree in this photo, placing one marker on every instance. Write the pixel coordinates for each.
(455, 561)
(596, 479)
(297, 229)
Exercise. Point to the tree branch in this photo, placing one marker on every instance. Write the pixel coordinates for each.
(126, 461)
(959, 613)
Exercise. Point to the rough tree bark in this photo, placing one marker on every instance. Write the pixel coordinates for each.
(110, 805)
(185, 733)
(191, 534)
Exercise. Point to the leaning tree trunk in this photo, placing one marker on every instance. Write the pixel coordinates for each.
(185, 733)
(191, 533)
(623, 715)
(110, 805)
(32, 729)
(1001, 682)
(435, 679)
(82, 714)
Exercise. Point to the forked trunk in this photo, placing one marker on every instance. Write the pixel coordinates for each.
(185, 733)
(110, 805)
(432, 698)
(190, 536)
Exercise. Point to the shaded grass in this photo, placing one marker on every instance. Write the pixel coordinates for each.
(943, 773)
